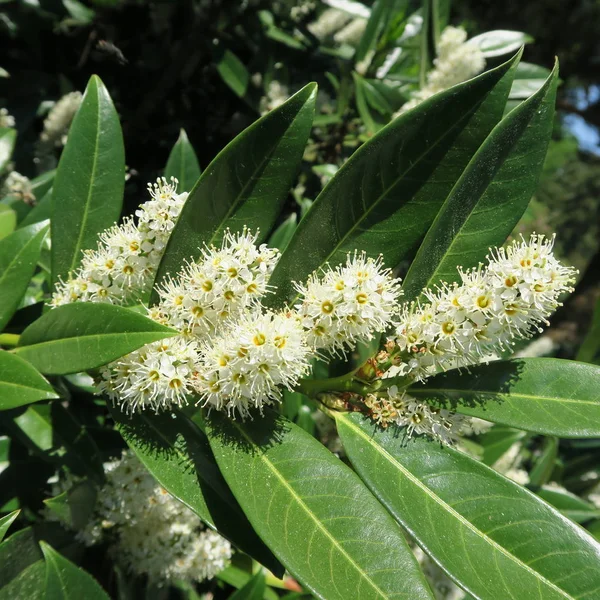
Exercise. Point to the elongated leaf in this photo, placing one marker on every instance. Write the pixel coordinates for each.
(568, 504)
(87, 195)
(529, 78)
(546, 395)
(41, 212)
(178, 455)
(8, 137)
(233, 72)
(495, 538)
(253, 590)
(491, 195)
(64, 580)
(8, 221)
(544, 463)
(75, 506)
(6, 521)
(313, 511)
(497, 441)
(20, 383)
(500, 42)
(183, 163)
(246, 184)
(81, 336)
(283, 234)
(19, 253)
(29, 583)
(387, 194)
(591, 344)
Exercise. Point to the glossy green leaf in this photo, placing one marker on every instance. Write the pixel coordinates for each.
(491, 195)
(544, 463)
(238, 578)
(253, 590)
(87, 195)
(183, 164)
(313, 511)
(546, 395)
(246, 184)
(500, 42)
(19, 253)
(387, 194)
(28, 584)
(495, 538)
(8, 221)
(8, 137)
(178, 455)
(233, 72)
(568, 504)
(82, 336)
(75, 506)
(66, 581)
(497, 441)
(20, 383)
(6, 521)
(529, 78)
(283, 234)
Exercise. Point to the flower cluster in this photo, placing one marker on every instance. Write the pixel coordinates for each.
(352, 33)
(6, 119)
(463, 324)
(346, 305)
(122, 268)
(330, 21)
(150, 531)
(58, 121)
(18, 185)
(457, 61)
(276, 94)
(243, 367)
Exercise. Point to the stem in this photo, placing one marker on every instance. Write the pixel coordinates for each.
(344, 383)
(9, 339)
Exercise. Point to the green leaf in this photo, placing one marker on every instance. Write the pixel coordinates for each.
(246, 184)
(387, 194)
(88, 188)
(75, 506)
(233, 72)
(529, 78)
(500, 42)
(8, 137)
(497, 441)
(82, 336)
(545, 395)
(6, 521)
(20, 383)
(313, 511)
(495, 538)
(591, 343)
(178, 455)
(568, 504)
(65, 581)
(491, 195)
(183, 164)
(19, 254)
(29, 583)
(283, 234)
(545, 462)
(41, 212)
(8, 221)
(253, 590)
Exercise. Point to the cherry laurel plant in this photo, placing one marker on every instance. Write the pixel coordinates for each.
(392, 312)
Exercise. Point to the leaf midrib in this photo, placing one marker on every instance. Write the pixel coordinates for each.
(462, 520)
(311, 515)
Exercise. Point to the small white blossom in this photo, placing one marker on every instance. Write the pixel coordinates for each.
(457, 61)
(6, 119)
(18, 185)
(246, 364)
(346, 305)
(58, 121)
(462, 324)
(351, 33)
(276, 94)
(123, 266)
(157, 376)
(328, 22)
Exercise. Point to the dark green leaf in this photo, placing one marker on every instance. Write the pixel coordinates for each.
(8, 137)
(546, 395)
(20, 383)
(28, 584)
(233, 72)
(19, 253)
(183, 164)
(88, 188)
(75, 506)
(313, 511)
(591, 344)
(529, 79)
(178, 455)
(497, 441)
(283, 234)
(41, 212)
(246, 184)
(569, 504)
(81, 336)
(237, 578)
(495, 538)
(387, 194)
(6, 522)
(544, 463)
(500, 42)
(491, 195)
(65, 581)
(253, 590)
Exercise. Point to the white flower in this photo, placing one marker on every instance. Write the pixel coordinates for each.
(18, 185)
(150, 531)
(246, 364)
(463, 324)
(328, 22)
(122, 268)
(276, 94)
(346, 305)
(158, 376)
(217, 287)
(6, 119)
(351, 33)
(58, 121)
(457, 61)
